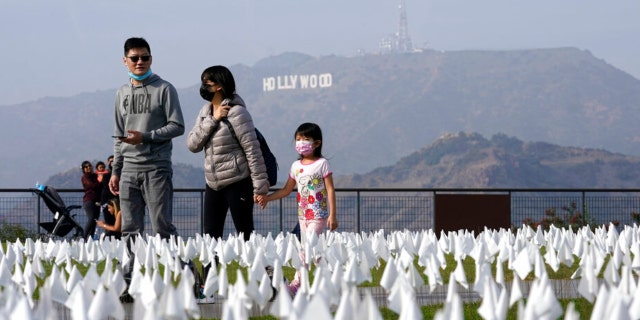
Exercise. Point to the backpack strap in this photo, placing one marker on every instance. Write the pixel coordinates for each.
(269, 159)
(233, 132)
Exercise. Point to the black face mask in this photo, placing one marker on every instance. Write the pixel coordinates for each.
(205, 93)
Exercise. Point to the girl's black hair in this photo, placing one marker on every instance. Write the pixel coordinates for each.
(222, 76)
(313, 131)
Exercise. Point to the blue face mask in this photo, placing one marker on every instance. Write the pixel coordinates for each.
(140, 78)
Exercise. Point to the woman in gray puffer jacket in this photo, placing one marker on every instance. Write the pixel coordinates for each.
(233, 164)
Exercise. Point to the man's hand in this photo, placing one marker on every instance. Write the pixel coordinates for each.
(133, 137)
(114, 184)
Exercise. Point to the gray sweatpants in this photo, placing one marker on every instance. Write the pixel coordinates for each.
(151, 189)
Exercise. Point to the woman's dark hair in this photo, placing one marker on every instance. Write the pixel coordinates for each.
(313, 131)
(84, 164)
(136, 43)
(100, 163)
(221, 76)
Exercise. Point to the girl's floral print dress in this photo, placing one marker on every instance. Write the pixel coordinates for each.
(312, 195)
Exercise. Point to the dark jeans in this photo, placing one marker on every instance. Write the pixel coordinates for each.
(237, 198)
(296, 230)
(93, 213)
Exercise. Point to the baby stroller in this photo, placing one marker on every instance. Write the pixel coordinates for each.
(63, 222)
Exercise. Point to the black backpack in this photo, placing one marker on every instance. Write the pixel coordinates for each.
(269, 159)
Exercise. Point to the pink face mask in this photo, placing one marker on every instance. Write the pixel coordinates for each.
(304, 147)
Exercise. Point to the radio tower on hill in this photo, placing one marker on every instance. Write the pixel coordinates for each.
(403, 40)
(399, 42)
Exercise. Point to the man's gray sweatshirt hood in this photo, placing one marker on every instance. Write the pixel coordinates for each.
(152, 108)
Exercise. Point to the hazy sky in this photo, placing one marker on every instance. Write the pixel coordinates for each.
(65, 47)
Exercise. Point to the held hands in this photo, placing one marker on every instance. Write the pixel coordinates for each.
(261, 199)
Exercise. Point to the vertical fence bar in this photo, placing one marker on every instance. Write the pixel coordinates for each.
(358, 226)
(281, 204)
(433, 208)
(510, 208)
(201, 211)
(584, 207)
(38, 224)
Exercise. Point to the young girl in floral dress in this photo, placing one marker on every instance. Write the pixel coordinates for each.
(313, 178)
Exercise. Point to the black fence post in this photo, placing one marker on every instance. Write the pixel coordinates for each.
(358, 211)
(201, 211)
(281, 204)
(38, 223)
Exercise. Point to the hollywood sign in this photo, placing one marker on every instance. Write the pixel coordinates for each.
(297, 81)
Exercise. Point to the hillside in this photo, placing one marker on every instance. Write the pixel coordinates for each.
(468, 160)
(373, 109)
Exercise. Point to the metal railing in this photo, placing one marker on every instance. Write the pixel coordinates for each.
(358, 209)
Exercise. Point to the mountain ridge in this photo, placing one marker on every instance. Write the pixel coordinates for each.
(469, 160)
(466, 160)
(376, 110)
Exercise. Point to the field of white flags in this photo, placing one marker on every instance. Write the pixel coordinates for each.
(56, 279)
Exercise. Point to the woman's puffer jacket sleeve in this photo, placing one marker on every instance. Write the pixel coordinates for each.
(228, 160)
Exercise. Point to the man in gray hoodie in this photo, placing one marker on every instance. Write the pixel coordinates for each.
(147, 117)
